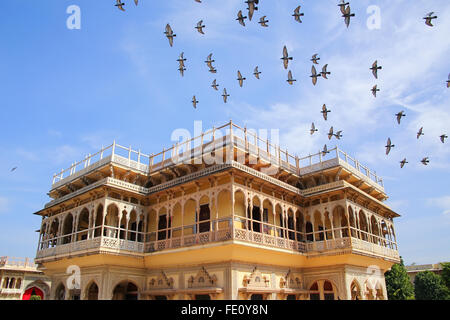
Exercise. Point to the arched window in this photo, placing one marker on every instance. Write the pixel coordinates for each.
(125, 291)
(92, 292)
(328, 291)
(67, 229)
(355, 291)
(98, 221)
(314, 293)
(5, 283)
(309, 230)
(12, 283)
(204, 216)
(60, 293)
(322, 290)
(83, 225)
(18, 283)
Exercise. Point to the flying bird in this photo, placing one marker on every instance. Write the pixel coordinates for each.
(325, 112)
(315, 58)
(225, 95)
(338, 135)
(403, 162)
(213, 70)
(429, 18)
(120, 5)
(389, 146)
(347, 15)
(199, 1)
(399, 116)
(374, 90)
(13, 169)
(209, 61)
(425, 161)
(136, 2)
(325, 150)
(241, 18)
(420, 133)
(297, 14)
(313, 129)
(443, 137)
(290, 79)
(448, 81)
(342, 6)
(375, 69)
(256, 73)
(240, 78)
(182, 70)
(325, 72)
(194, 102)
(215, 85)
(200, 27)
(314, 75)
(330, 133)
(263, 21)
(251, 8)
(169, 34)
(285, 57)
(181, 60)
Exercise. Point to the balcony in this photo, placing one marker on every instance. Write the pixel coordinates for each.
(197, 149)
(10, 291)
(118, 241)
(7, 262)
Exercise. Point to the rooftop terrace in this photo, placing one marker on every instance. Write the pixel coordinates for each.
(196, 149)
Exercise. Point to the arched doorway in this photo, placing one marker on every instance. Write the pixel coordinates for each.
(60, 293)
(125, 291)
(92, 292)
(33, 291)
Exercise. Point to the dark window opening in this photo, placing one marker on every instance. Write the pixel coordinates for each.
(256, 216)
(204, 215)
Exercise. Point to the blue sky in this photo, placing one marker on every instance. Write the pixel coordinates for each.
(65, 93)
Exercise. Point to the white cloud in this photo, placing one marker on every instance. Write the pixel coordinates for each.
(441, 202)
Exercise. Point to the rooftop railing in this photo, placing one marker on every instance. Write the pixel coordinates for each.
(213, 139)
(17, 262)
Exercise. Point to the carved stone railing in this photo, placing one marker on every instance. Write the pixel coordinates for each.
(114, 245)
(189, 240)
(373, 248)
(102, 244)
(10, 291)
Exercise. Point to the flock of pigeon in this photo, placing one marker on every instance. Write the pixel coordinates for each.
(315, 75)
(252, 7)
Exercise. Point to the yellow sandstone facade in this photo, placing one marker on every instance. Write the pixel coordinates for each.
(222, 216)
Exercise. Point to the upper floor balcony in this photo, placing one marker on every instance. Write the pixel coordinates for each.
(212, 147)
(13, 263)
(343, 228)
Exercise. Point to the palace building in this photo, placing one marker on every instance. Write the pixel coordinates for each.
(225, 215)
(20, 279)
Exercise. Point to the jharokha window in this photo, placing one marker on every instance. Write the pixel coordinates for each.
(314, 293)
(322, 290)
(163, 227)
(204, 216)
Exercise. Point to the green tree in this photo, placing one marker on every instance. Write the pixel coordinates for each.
(398, 284)
(429, 286)
(446, 274)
